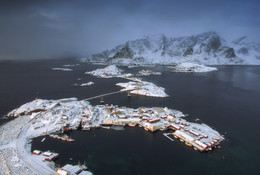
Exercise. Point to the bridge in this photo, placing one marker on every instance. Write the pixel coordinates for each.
(111, 93)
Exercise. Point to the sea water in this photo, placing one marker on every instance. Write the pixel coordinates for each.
(227, 100)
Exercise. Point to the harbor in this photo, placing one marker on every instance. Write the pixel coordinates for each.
(71, 114)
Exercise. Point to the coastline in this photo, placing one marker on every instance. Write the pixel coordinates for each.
(35, 124)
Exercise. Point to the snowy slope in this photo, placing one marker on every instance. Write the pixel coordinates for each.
(206, 48)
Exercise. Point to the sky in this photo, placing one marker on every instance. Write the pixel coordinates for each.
(46, 29)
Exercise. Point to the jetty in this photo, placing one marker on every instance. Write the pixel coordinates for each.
(166, 135)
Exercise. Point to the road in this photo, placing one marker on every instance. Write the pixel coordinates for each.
(24, 155)
(111, 93)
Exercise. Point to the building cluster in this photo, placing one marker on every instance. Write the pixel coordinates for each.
(47, 155)
(65, 170)
(199, 136)
(69, 169)
(147, 73)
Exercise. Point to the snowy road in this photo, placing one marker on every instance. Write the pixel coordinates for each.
(23, 154)
(111, 93)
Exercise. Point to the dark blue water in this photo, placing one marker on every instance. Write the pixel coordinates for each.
(227, 100)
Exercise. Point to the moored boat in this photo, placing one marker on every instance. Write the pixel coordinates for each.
(131, 125)
(188, 144)
(64, 138)
(70, 140)
(86, 128)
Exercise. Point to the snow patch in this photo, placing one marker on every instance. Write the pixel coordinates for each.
(108, 72)
(87, 84)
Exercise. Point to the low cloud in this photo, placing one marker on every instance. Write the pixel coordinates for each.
(35, 29)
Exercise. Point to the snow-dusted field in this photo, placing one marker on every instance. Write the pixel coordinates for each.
(109, 72)
(143, 88)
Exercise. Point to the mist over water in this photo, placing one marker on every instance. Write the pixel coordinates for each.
(35, 29)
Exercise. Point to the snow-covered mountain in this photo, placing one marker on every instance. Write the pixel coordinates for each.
(206, 48)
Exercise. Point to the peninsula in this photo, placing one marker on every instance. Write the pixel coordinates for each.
(44, 117)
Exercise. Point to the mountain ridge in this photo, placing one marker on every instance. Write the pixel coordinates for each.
(205, 48)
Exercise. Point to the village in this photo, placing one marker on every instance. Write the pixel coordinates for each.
(199, 136)
(69, 114)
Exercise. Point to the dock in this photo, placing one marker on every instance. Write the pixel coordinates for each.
(166, 135)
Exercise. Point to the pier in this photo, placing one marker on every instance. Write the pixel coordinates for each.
(166, 135)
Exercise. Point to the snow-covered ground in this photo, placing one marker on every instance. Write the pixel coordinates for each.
(61, 69)
(143, 88)
(109, 72)
(147, 73)
(192, 67)
(11, 163)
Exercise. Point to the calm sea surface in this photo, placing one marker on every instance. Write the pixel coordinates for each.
(227, 100)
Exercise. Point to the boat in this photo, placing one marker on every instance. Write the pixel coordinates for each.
(64, 138)
(58, 137)
(131, 124)
(70, 140)
(119, 124)
(84, 166)
(188, 144)
(86, 128)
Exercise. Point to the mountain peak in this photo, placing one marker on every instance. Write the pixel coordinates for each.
(205, 48)
(241, 40)
(209, 34)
